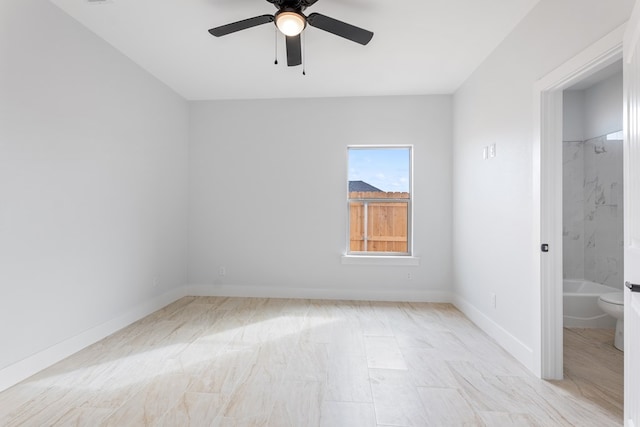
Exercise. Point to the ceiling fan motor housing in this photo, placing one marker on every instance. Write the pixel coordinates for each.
(293, 5)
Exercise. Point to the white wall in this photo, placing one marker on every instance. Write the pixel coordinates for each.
(493, 200)
(594, 111)
(268, 183)
(603, 107)
(93, 159)
(573, 115)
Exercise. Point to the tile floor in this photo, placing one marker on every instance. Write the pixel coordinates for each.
(206, 361)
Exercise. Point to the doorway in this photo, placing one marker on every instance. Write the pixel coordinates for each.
(547, 176)
(592, 235)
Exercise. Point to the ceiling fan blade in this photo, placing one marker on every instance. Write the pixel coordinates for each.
(339, 28)
(241, 25)
(294, 51)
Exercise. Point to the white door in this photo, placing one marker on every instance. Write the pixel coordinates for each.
(632, 220)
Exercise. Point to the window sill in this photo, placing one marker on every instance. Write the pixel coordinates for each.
(379, 260)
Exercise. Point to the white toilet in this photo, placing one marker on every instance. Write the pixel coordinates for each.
(613, 304)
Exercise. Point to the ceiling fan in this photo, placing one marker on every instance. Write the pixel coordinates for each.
(290, 20)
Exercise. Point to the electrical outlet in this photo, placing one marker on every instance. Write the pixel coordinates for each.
(492, 150)
(409, 276)
(155, 281)
(222, 271)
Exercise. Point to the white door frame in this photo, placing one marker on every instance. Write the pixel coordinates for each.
(547, 192)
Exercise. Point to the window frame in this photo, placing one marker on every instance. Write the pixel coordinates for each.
(349, 254)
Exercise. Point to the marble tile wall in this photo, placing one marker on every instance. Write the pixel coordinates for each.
(592, 211)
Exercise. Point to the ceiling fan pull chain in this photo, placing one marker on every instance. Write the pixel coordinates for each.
(276, 44)
(304, 53)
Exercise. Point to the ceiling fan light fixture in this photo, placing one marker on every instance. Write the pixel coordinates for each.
(290, 23)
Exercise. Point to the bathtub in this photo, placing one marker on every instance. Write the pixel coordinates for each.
(580, 305)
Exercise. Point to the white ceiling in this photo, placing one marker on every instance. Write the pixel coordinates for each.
(419, 46)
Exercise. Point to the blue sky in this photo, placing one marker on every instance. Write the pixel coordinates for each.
(385, 168)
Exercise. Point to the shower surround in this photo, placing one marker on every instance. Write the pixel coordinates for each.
(592, 210)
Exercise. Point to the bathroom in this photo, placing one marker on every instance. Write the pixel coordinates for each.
(593, 230)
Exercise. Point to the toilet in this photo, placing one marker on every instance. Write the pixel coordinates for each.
(613, 304)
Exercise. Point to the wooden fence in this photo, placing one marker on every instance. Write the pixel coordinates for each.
(385, 221)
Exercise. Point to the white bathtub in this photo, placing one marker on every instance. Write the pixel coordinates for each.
(580, 305)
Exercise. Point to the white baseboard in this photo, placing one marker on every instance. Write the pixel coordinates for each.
(511, 344)
(25, 368)
(316, 293)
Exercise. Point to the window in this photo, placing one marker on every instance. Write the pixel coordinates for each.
(379, 200)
